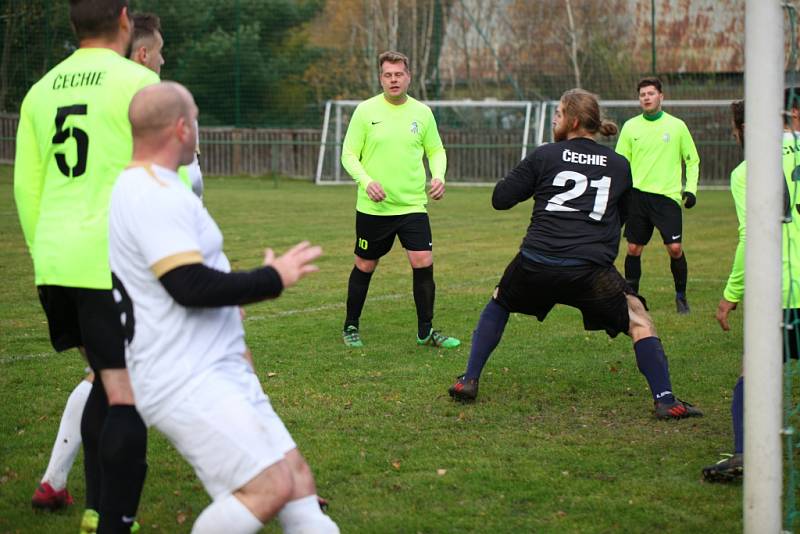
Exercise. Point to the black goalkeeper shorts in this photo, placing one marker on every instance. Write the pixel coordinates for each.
(598, 292)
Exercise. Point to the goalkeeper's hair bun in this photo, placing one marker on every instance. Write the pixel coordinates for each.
(608, 128)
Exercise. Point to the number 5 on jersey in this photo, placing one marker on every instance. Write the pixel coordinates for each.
(81, 141)
(600, 200)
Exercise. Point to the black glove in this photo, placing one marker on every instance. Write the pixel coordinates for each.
(689, 200)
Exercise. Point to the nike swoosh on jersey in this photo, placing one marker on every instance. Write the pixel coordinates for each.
(676, 236)
(376, 122)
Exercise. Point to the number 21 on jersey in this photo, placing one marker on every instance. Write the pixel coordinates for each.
(580, 185)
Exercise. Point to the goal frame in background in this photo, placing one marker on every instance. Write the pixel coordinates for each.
(334, 112)
(536, 131)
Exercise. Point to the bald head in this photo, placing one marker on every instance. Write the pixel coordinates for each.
(162, 118)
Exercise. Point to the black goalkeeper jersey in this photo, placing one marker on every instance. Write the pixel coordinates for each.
(580, 190)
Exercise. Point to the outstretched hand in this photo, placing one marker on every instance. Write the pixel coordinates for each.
(295, 263)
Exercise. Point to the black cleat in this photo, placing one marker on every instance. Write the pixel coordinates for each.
(676, 410)
(729, 469)
(464, 390)
(681, 306)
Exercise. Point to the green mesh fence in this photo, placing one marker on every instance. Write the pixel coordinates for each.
(262, 70)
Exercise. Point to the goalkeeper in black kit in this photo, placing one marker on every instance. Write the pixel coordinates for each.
(580, 190)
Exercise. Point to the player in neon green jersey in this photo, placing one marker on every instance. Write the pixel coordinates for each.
(656, 143)
(145, 49)
(731, 468)
(386, 139)
(73, 139)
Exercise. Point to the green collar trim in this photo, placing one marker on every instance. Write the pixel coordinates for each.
(653, 117)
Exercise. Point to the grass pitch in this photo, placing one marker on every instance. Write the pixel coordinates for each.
(562, 438)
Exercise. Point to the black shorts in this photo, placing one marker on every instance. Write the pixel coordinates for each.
(648, 210)
(375, 233)
(598, 292)
(80, 317)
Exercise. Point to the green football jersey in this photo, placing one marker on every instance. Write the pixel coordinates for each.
(655, 149)
(385, 143)
(734, 289)
(73, 140)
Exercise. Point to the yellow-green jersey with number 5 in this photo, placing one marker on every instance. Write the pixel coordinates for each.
(73, 140)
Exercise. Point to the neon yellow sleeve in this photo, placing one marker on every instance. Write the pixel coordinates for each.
(437, 158)
(734, 289)
(353, 144)
(28, 176)
(692, 160)
(623, 147)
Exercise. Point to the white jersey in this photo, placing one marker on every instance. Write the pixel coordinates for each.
(155, 225)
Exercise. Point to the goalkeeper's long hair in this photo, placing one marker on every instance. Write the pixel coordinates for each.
(584, 106)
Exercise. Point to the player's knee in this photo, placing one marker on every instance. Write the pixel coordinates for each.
(634, 249)
(269, 491)
(419, 259)
(118, 387)
(365, 266)
(640, 323)
(301, 471)
(675, 250)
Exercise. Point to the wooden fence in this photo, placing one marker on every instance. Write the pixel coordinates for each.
(472, 155)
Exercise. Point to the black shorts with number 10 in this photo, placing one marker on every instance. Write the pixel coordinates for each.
(375, 233)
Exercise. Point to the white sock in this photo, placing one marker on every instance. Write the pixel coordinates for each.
(68, 439)
(303, 516)
(226, 514)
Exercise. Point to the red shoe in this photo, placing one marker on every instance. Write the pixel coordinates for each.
(46, 498)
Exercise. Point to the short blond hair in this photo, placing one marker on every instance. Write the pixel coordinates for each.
(393, 57)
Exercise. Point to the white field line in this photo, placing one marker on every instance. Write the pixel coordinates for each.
(334, 306)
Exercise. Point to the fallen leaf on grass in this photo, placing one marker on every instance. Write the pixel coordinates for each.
(441, 472)
(396, 464)
(180, 518)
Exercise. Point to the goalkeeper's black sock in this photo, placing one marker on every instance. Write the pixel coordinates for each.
(680, 273)
(737, 415)
(485, 337)
(424, 295)
(633, 271)
(357, 289)
(653, 364)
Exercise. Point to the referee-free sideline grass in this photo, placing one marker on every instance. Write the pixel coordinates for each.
(562, 438)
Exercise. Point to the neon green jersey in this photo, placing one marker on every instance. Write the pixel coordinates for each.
(734, 289)
(73, 140)
(655, 149)
(385, 143)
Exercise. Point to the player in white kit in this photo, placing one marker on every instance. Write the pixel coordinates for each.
(179, 302)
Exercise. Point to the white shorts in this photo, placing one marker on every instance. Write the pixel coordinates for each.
(227, 430)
